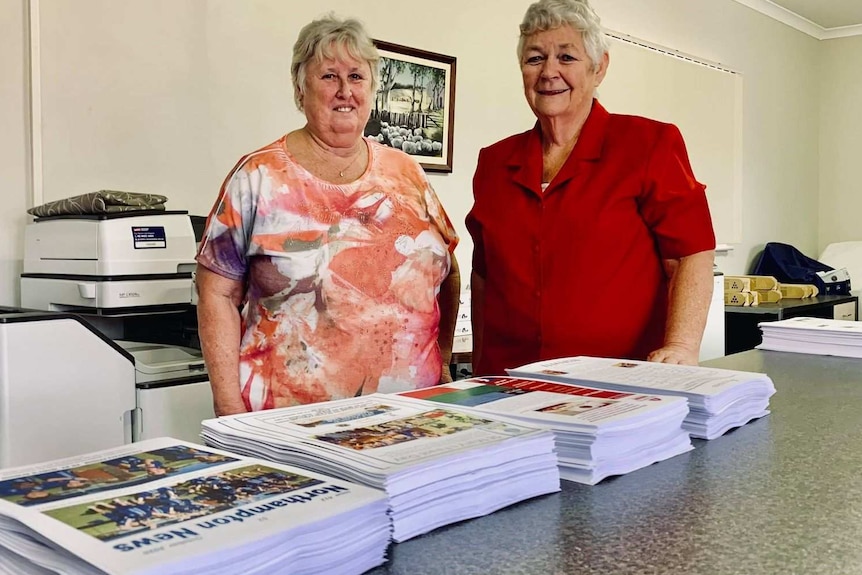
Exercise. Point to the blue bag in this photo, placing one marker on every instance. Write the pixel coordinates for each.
(789, 265)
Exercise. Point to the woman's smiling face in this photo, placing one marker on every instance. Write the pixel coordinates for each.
(559, 77)
(337, 99)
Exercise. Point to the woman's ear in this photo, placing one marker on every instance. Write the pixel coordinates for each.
(602, 68)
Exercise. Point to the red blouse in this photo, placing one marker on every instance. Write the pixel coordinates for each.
(577, 269)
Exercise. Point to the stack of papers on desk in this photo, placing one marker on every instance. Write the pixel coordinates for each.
(166, 507)
(813, 335)
(437, 465)
(598, 433)
(718, 399)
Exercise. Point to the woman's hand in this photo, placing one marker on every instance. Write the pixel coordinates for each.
(448, 300)
(446, 374)
(690, 292)
(675, 353)
(223, 410)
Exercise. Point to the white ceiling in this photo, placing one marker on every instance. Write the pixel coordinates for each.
(826, 13)
(822, 19)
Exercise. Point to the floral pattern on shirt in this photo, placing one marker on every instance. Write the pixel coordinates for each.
(341, 281)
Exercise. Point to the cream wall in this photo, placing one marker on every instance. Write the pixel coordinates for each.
(841, 142)
(125, 101)
(13, 145)
(252, 101)
(164, 95)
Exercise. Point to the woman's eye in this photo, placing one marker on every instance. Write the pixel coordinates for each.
(567, 58)
(328, 76)
(534, 59)
(356, 77)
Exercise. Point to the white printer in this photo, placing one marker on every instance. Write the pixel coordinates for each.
(109, 264)
(65, 388)
(128, 280)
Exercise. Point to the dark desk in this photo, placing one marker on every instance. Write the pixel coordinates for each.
(781, 495)
(741, 331)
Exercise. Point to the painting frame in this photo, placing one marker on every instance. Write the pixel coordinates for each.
(433, 121)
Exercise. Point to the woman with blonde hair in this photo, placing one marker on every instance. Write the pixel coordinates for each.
(327, 267)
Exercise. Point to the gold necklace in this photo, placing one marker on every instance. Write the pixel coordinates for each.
(311, 145)
(348, 166)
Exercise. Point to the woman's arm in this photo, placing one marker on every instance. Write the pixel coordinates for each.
(219, 299)
(450, 294)
(690, 291)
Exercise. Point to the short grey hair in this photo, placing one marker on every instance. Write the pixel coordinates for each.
(551, 14)
(331, 37)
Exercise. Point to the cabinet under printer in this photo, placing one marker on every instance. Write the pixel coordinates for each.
(122, 287)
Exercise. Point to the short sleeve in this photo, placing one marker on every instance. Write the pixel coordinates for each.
(439, 217)
(224, 247)
(673, 203)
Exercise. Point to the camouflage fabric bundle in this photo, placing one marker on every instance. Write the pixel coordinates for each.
(101, 202)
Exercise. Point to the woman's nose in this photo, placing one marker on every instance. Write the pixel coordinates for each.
(344, 90)
(549, 68)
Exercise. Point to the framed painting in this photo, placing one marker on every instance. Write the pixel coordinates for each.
(414, 107)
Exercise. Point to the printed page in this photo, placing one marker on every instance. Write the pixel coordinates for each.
(656, 376)
(816, 324)
(160, 501)
(375, 432)
(551, 403)
(813, 335)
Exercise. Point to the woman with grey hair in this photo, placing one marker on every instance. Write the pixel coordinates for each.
(324, 255)
(615, 246)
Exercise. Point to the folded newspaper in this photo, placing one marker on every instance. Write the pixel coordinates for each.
(164, 506)
(438, 465)
(718, 399)
(598, 433)
(814, 335)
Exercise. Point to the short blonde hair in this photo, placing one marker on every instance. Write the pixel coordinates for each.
(331, 37)
(551, 14)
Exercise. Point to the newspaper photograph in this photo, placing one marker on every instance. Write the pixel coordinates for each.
(160, 502)
(374, 431)
(548, 402)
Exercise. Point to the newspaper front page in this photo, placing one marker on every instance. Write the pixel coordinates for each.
(377, 433)
(155, 505)
(554, 404)
(704, 381)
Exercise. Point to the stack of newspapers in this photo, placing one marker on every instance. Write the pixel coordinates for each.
(598, 433)
(166, 507)
(718, 399)
(437, 465)
(813, 335)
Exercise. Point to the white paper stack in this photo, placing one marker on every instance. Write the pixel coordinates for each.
(598, 432)
(167, 507)
(718, 399)
(813, 335)
(437, 465)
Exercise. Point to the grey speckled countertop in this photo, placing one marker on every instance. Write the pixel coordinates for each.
(782, 495)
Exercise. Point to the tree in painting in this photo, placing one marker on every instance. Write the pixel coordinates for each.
(409, 107)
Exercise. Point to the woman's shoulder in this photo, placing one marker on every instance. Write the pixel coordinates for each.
(640, 137)
(637, 125)
(393, 158)
(507, 145)
(273, 153)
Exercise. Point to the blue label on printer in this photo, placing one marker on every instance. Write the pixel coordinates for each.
(149, 237)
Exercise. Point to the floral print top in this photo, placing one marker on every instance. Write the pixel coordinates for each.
(341, 280)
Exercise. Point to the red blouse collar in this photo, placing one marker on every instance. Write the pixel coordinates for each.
(526, 159)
